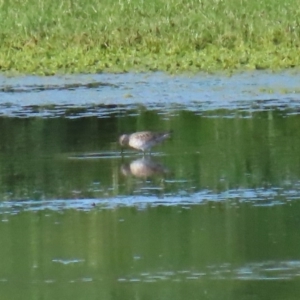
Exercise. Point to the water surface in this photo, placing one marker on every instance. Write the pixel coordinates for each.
(213, 213)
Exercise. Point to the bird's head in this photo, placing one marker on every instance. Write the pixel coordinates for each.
(124, 140)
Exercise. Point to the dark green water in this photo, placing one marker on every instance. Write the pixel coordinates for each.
(213, 214)
(253, 159)
(216, 215)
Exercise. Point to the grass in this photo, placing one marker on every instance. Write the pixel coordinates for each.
(87, 36)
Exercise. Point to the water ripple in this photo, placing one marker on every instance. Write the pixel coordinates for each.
(256, 197)
(258, 271)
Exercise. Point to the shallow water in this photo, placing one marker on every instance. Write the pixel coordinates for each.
(212, 213)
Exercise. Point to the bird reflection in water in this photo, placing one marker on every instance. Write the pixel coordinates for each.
(143, 168)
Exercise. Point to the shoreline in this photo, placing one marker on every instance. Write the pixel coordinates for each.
(91, 63)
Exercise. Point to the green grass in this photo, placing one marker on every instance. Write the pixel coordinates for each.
(46, 37)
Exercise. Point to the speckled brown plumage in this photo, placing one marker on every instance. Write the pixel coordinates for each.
(143, 140)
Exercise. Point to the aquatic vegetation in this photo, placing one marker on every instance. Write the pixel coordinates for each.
(47, 37)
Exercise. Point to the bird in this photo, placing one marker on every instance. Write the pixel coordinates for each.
(143, 140)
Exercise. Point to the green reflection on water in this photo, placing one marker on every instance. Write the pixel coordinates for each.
(66, 159)
(166, 252)
(216, 250)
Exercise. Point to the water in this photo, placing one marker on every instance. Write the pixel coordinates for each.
(213, 213)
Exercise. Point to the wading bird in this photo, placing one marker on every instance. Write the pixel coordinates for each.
(143, 140)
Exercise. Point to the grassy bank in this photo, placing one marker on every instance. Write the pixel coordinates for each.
(45, 37)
